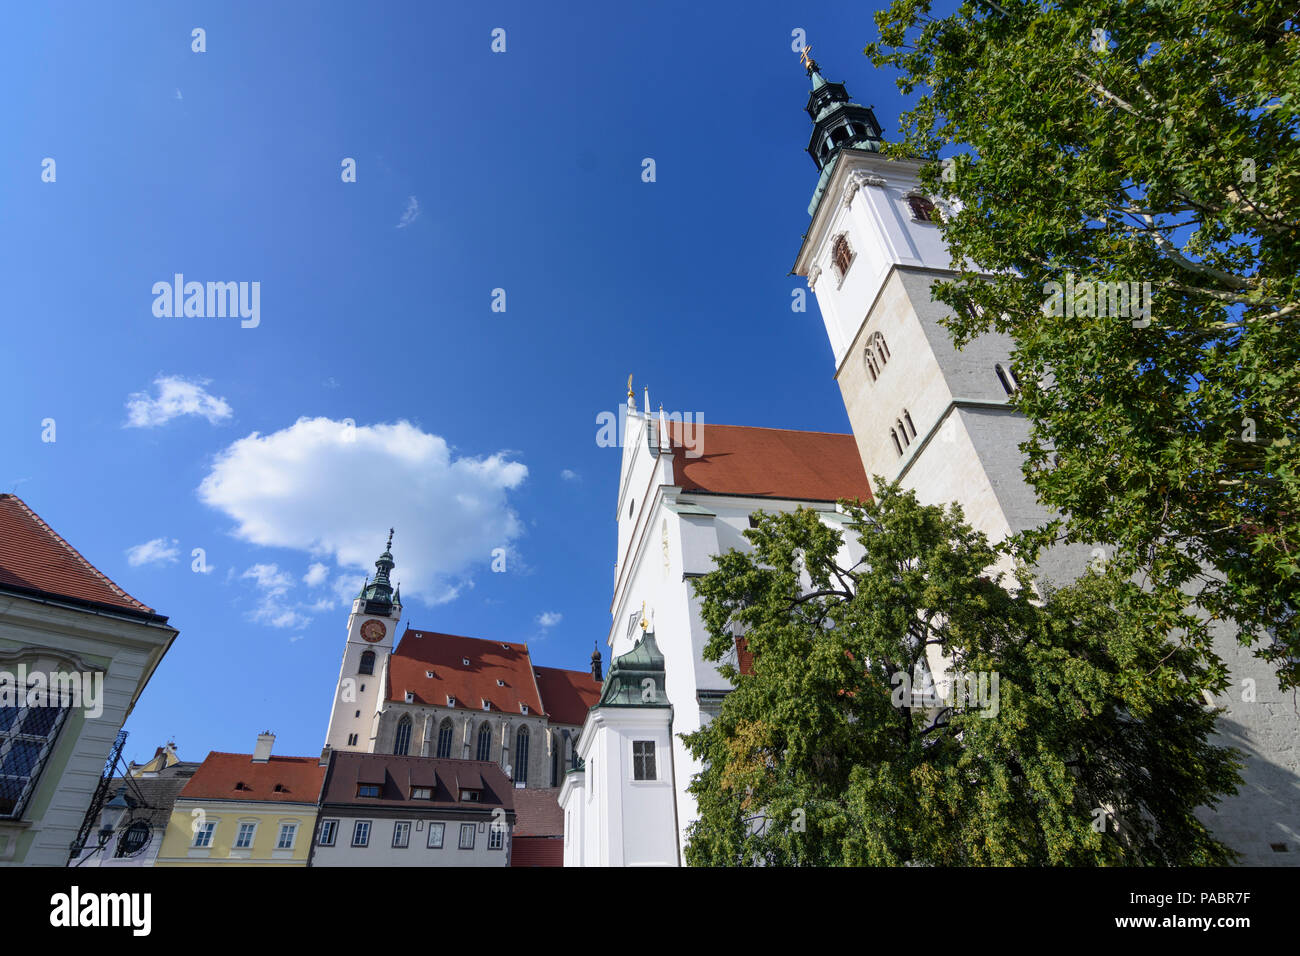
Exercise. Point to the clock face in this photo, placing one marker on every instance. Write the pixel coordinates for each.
(373, 631)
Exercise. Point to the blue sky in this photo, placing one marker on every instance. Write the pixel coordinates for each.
(474, 429)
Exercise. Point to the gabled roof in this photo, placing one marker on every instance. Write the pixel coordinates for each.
(567, 695)
(151, 798)
(421, 652)
(299, 777)
(563, 695)
(768, 463)
(33, 557)
(397, 776)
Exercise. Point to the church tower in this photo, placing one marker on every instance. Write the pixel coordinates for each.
(363, 676)
(937, 420)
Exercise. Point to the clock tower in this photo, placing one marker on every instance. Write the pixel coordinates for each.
(363, 676)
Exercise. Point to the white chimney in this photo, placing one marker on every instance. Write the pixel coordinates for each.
(265, 741)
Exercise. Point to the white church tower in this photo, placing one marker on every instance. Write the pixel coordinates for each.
(941, 421)
(363, 676)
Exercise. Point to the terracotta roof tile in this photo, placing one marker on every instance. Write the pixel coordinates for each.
(216, 779)
(397, 775)
(769, 463)
(538, 813)
(568, 695)
(34, 557)
(537, 851)
(564, 696)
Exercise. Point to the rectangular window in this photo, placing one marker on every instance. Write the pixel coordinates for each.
(421, 793)
(643, 760)
(329, 830)
(467, 836)
(401, 834)
(368, 790)
(288, 834)
(203, 835)
(245, 838)
(27, 735)
(435, 835)
(496, 837)
(361, 833)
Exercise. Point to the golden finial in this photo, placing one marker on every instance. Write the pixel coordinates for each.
(804, 58)
(644, 623)
(629, 386)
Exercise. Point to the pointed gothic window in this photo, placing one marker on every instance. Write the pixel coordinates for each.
(521, 756)
(879, 339)
(922, 209)
(367, 663)
(1007, 378)
(444, 738)
(897, 447)
(841, 255)
(402, 746)
(484, 743)
(875, 354)
(910, 427)
(902, 431)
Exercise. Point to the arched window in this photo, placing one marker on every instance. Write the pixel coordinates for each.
(922, 209)
(879, 340)
(444, 738)
(570, 753)
(841, 255)
(521, 756)
(876, 354)
(484, 743)
(1007, 378)
(902, 431)
(908, 418)
(873, 368)
(897, 447)
(367, 663)
(402, 745)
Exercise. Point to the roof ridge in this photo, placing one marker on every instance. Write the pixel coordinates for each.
(77, 554)
(769, 428)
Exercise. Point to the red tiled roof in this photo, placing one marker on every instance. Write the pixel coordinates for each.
(769, 463)
(220, 773)
(564, 696)
(568, 695)
(33, 556)
(420, 652)
(538, 813)
(537, 851)
(397, 775)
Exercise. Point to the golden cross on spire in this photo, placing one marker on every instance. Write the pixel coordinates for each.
(804, 58)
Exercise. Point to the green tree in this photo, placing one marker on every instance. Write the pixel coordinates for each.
(1133, 141)
(1072, 754)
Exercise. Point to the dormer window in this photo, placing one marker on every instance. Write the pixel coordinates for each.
(451, 701)
(500, 682)
(841, 255)
(280, 788)
(428, 673)
(465, 661)
(368, 790)
(470, 796)
(410, 697)
(242, 786)
(922, 209)
(523, 709)
(421, 793)
(487, 704)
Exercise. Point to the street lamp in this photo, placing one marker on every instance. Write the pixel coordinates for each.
(111, 815)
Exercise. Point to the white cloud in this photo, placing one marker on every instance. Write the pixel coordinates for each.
(316, 575)
(548, 619)
(412, 212)
(569, 475)
(176, 397)
(157, 551)
(332, 490)
(275, 607)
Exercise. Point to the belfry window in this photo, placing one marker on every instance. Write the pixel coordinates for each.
(907, 417)
(367, 665)
(841, 255)
(922, 209)
(897, 447)
(875, 354)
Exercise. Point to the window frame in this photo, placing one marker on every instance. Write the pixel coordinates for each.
(356, 830)
(402, 827)
(472, 829)
(239, 835)
(441, 829)
(639, 761)
(328, 833)
(292, 828)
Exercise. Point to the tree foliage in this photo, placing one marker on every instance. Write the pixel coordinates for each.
(1134, 141)
(819, 757)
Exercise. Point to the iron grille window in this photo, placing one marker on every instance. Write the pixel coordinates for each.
(643, 760)
(367, 663)
(843, 255)
(922, 208)
(27, 734)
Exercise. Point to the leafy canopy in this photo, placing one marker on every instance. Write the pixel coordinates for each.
(820, 757)
(1133, 141)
